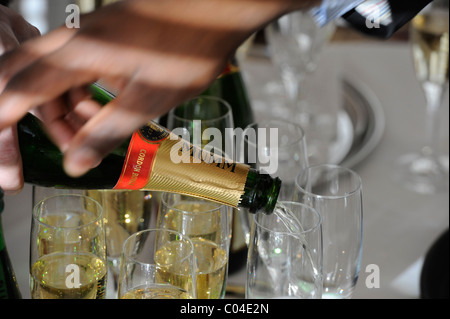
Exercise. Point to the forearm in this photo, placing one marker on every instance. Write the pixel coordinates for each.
(242, 17)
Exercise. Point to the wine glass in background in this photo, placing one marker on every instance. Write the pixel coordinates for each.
(68, 249)
(295, 42)
(426, 171)
(336, 194)
(207, 224)
(278, 148)
(285, 262)
(157, 264)
(206, 122)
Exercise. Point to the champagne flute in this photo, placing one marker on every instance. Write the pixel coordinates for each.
(283, 262)
(207, 224)
(67, 249)
(206, 122)
(295, 41)
(157, 264)
(423, 171)
(336, 193)
(125, 212)
(277, 147)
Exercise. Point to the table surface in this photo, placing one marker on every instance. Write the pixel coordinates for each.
(399, 225)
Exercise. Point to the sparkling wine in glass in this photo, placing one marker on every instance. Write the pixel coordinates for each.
(425, 171)
(208, 225)
(157, 264)
(125, 212)
(67, 249)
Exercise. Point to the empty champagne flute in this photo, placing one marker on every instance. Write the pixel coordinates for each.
(425, 171)
(208, 225)
(285, 262)
(157, 264)
(67, 249)
(206, 122)
(295, 42)
(336, 193)
(277, 147)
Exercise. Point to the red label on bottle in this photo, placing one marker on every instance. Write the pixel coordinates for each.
(229, 68)
(138, 163)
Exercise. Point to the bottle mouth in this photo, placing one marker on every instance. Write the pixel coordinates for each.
(270, 197)
(272, 201)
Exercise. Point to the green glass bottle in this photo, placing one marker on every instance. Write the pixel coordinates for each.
(149, 164)
(233, 90)
(230, 87)
(8, 284)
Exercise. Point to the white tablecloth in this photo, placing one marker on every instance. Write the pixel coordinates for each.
(399, 226)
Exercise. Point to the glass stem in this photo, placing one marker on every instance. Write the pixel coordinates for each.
(433, 94)
(293, 86)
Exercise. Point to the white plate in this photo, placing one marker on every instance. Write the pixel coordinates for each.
(367, 115)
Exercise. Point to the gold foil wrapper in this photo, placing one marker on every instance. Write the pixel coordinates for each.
(174, 165)
(198, 173)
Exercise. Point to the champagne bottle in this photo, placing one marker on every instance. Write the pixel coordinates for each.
(8, 284)
(153, 159)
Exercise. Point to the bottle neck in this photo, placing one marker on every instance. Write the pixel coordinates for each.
(260, 192)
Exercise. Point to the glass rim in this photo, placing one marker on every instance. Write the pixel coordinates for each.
(222, 101)
(356, 189)
(277, 120)
(309, 230)
(195, 199)
(149, 230)
(36, 210)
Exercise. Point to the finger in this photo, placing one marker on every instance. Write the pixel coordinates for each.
(10, 162)
(13, 61)
(7, 40)
(115, 122)
(63, 117)
(54, 115)
(44, 80)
